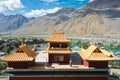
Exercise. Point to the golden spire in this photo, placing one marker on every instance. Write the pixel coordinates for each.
(22, 43)
(94, 43)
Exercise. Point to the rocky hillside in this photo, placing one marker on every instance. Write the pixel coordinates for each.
(110, 8)
(98, 18)
(103, 4)
(11, 22)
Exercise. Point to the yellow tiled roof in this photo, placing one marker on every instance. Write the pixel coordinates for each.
(23, 53)
(18, 57)
(107, 53)
(99, 57)
(60, 51)
(93, 53)
(58, 37)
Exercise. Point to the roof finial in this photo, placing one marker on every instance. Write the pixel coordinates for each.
(94, 43)
(22, 43)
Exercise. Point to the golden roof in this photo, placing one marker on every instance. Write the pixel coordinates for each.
(23, 53)
(58, 37)
(93, 53)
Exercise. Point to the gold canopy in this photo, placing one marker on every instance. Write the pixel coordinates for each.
(23, 53)
(93, 53)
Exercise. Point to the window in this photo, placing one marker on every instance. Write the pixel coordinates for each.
(59, 58)
(56, 58)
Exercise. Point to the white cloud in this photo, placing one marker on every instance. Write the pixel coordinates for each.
(91, 0)
(41, 12)
(10, 5)
(50, 0)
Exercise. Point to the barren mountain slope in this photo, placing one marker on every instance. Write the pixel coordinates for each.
(95, 19)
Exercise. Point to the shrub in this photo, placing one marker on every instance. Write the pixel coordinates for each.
(3, 65)
(115, 75)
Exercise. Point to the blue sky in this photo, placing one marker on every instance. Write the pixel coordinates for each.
(36, 8)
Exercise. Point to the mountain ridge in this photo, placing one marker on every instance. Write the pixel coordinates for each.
(94, 19)
(90, 20)
(11, 22)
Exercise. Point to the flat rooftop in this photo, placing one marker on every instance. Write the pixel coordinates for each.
(55, 68)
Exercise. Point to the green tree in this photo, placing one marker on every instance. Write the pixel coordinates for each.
(114, 64)
(83, 44)
(118, 47)
(3, 65)
(7, 49)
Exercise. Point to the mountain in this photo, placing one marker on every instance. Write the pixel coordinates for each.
(98, 18)
(103, 4)
(110, 8)
(46, 24)
(11, 22)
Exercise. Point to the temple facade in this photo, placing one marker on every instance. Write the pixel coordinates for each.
(94, 62)
(58, 48)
